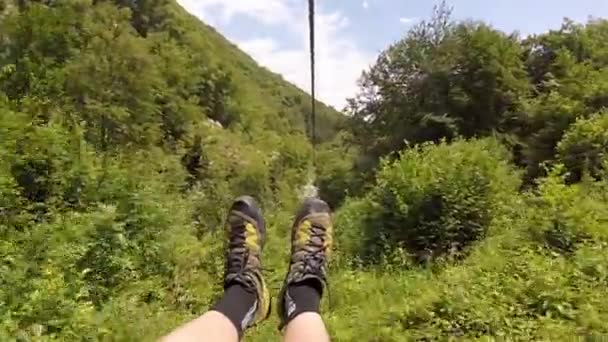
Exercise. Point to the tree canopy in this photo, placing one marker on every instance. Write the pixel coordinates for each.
(449, 78)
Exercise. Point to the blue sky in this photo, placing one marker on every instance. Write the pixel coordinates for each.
(352, 32)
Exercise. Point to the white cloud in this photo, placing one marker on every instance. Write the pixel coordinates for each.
(365, 4)
(265, 11)
(339, 60)
(407, 20)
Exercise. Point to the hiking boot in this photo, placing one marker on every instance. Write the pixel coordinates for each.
(311, 241)
(246, 235)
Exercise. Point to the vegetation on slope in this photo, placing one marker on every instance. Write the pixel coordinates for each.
(469, 179)
(446, 79)
(126, 130)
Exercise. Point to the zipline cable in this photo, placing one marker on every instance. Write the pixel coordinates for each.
(310, 190)
(313, 114)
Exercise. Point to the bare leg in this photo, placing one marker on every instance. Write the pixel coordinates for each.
(212, 327)
(306, 327)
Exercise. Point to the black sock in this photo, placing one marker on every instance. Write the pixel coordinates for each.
(238, 305)
(303, 297)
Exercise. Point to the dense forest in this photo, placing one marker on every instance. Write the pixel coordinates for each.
(469, 176)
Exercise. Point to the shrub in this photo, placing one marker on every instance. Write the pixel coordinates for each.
(437, 199)
(584, 147)
(49, 164)
(562, 217)
(336, 174)
(351, 222)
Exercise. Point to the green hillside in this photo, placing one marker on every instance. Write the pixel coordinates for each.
(126, 130)
(469, 178)
(284, 107)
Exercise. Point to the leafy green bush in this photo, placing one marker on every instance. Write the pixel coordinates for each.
(508, 288)
(436, 200)
(584, 147)
(49, 164)
(336, 176)
(563, 217)
(547, 118)
(352, 222)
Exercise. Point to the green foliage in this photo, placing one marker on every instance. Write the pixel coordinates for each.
(564, 217)
(516, 284)
(584, 148)
(443, 79)
(568, 73)
(447, 78)
(436, 200)
(550, 115)
(49, 164)
(127, 129)
(336, 177)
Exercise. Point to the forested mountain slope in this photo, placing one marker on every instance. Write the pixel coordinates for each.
(126, 129)
(284, 106)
